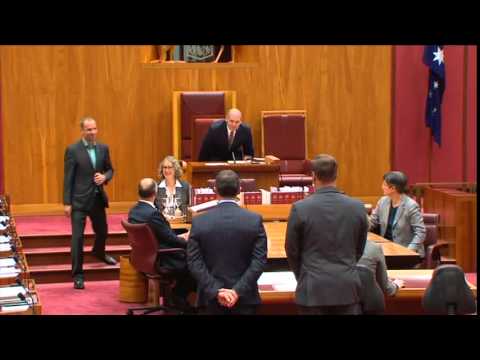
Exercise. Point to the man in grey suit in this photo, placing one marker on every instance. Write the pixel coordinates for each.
(87, 169)
(326, 235)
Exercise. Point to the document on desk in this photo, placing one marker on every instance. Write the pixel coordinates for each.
(5, 247)
(5, 239)
(7, 262)
(216, 164)
(9, 270)
(279, 280)
(14, 308)
(11, 292)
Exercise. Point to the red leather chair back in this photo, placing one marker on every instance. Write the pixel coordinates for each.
(144, 247)
(284, 137)
(204, 104)
(200, 129)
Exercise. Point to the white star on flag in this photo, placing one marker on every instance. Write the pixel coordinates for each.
(438, 56)
(435, 84)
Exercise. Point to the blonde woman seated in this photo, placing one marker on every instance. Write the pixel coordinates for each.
(173, 196)
(397, 217)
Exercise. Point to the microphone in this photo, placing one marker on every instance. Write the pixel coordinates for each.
(233, 156)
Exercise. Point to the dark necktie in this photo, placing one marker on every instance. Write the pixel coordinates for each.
(230, 138)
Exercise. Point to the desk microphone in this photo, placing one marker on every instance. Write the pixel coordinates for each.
(233, 156)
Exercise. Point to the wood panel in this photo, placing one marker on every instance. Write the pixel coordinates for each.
(458, 223)
(46, 90)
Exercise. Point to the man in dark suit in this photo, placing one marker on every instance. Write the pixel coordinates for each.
(145, 212)
(326, 235)
(227, 253)
(87, 169)
(226, 139)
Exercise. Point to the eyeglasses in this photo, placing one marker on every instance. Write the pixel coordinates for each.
(168, 167)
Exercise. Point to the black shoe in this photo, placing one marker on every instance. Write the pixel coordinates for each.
(78, 283)
(106, 259)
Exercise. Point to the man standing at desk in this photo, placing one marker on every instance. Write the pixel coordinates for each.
(227, 139)
(326, 235)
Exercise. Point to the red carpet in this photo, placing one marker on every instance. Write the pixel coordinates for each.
(60, 225)
(98, 298)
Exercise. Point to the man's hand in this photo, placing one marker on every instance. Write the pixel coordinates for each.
(399, 283)
(99, 178)
(68, 210)
(185, 235)
(227, 297)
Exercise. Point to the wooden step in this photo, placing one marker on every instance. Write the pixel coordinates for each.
(61, 254)
(49, 241)
(43, 274)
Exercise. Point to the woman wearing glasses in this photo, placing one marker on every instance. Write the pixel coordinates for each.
(173, 196)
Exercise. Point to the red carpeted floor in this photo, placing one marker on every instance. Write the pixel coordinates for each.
(60, 225)
(98, 298)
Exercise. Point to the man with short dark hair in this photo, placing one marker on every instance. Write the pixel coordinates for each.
(326, 235)
(227, 252)
(87, 169)
(145, 212)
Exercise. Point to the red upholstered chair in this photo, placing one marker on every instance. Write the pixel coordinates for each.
(433, 246)
(189, 106)
(284, 136)
(143, 258)
(245, 184)
(448, 293)
(200, 129)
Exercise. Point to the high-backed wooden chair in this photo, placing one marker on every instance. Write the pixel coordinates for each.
(284, 135)
(187, 107)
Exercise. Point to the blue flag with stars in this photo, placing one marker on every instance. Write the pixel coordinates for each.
(433, 57)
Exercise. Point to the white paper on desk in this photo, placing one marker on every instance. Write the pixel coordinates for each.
(216, 164)
(204, 206)
(7, 262)
(240, 162)
(9, 270)
(11, 291)
(5, 247)
(5, 239)
(14, 308)
(278, 278)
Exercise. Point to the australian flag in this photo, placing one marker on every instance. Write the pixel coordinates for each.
(433, 57)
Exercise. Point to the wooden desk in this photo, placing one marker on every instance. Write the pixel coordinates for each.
(277, 291)
(266, 175)
(396, 256)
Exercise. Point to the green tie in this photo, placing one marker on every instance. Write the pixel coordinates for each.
(93, 155)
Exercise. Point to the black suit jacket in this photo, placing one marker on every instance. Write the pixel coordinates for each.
(78, 184)
(227, 248)
(215, 144)
(143, 213)
(326, 235)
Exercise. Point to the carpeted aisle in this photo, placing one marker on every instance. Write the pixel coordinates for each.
(60, 225)
(98, 298)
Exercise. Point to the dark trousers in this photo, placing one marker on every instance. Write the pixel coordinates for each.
(352, 309)
(98, 217)
(184, 285)
(214, 308)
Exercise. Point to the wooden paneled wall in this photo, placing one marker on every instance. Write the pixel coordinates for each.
(45, 90)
